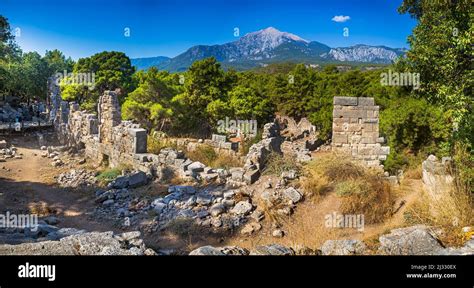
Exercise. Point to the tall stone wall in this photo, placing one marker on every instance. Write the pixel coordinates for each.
(355, 130)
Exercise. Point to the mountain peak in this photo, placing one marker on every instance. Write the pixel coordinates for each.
(275, 34)
(271, 45)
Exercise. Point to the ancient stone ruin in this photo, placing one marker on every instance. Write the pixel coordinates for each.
(437, 179)
(105, 138)
(355, 130)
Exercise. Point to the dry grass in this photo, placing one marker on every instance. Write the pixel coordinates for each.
(227, 161)
(451, 211)
(277, 164)
(208, 156)
(361, 190)
(374, 200)
(314, 187)
(271, 211)
(414, 173)
(40, 208)
(154, 145)
(305, 228)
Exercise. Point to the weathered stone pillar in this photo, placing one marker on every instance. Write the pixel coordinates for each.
(355, 129)
(109, 116)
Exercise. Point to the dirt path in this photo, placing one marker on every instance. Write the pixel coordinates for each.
(27, 185)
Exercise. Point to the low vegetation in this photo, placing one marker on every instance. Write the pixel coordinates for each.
(361, 190)
(154, 144)
(208, 156)
(108, 175)
(451, 209)
(276, 164)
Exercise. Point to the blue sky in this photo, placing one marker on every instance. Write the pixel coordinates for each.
(168, 28)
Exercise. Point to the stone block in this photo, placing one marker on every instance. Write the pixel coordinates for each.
(339, 138)
(385, 150)
(196, 167)
(137, 179)
(139, 140)
(237, 174)
(218, 138)
(365, 101)
(371, 121)
(251, 176)
(345, 101)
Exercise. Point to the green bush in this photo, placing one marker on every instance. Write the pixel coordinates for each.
(108, 175)
(415, 125)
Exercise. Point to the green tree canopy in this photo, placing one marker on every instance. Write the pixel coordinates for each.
(110, 70)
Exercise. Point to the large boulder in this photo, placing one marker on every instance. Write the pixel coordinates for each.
(137, 179)
(133, 180)
(415, 240)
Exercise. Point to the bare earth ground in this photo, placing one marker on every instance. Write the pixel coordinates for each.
(28, 185)
(30, 181)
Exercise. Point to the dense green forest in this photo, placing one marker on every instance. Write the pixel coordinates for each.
(435, 118)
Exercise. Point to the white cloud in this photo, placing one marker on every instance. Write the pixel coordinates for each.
(340, 18)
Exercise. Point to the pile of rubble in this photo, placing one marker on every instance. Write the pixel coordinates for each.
(272, 249)
(77, 178)
(257, 156)
(43, 231)
(211, 206)
(8, 152)
(54, 153)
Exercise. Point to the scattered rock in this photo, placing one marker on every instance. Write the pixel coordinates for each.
(51, 220)
(257, 215)
(207, 250)
(273, 249)
(289, 175)
(196, 167)
(213, 251)
(137, 179)
(292, 194)
(278, 233)
(250, 228)
(343, 247)
(77, 178)
(242, 208)
(217, 209)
